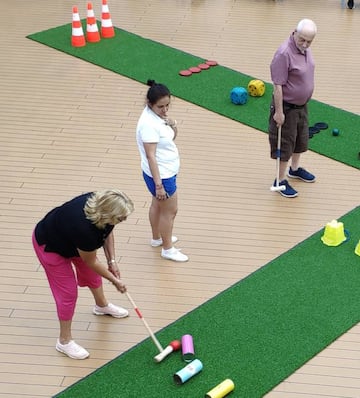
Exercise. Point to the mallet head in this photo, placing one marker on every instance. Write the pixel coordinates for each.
(277, 188)
(173, 346)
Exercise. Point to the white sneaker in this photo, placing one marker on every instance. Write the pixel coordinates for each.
(72, 350)
(111, 309)
(159, 242)
(174, 254)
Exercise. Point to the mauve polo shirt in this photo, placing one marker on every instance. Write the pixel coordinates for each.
(293, 71)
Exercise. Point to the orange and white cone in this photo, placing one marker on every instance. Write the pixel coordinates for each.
(77, 37)
(92, 31)
(107, 29)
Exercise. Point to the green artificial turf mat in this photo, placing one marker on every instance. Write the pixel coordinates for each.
(140, 59)
(257, 332)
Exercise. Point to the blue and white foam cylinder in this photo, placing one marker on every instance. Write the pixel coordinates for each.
(189, 371)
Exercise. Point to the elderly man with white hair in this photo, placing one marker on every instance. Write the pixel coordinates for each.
(292, 73)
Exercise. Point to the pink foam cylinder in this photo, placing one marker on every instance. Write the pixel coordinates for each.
(187, 347)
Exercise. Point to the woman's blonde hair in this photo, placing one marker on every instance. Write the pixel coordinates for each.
(110, 206)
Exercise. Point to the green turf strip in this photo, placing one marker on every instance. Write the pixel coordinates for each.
(140, 59)
(257, 332)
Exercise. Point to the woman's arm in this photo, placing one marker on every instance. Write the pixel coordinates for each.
(173, 124)
(150, 150)
(109, 250)
(92, 261)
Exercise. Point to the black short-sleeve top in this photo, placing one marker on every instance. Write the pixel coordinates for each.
(65, 229)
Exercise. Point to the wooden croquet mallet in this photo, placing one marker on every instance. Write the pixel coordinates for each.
(152, 335)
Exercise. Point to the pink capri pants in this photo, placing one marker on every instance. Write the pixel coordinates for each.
(64, 276)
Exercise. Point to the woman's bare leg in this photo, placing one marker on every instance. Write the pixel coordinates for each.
(162, 214)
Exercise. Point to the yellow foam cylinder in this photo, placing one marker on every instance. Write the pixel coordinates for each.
(357, 249)
(334, 233)
(221, 390)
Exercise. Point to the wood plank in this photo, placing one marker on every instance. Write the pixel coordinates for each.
(68, 127)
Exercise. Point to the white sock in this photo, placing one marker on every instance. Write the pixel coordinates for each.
(169, 251)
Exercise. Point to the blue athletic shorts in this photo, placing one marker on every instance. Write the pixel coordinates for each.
(168, 183)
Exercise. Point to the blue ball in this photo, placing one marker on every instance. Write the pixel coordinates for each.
(239, 95)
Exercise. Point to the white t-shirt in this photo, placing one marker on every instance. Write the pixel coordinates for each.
(151, 128)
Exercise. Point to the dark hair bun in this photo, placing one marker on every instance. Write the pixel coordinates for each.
(151, 82)
(156, 91)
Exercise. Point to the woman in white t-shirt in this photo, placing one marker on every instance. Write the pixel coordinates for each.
(160, 163)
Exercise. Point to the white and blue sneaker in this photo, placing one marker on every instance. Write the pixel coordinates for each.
(301, 174)
(289, 191)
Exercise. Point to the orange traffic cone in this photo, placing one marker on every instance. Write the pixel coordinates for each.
(92, 31)
(107, 29)
(77, 38)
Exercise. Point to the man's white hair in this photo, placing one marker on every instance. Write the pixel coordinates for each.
(307, 25)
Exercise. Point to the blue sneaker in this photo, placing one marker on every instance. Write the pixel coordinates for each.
(302, 174)
(289, 191)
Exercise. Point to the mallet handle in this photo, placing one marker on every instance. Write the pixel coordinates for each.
(152, 335)
(278, 156)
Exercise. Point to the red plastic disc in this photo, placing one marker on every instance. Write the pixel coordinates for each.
(204, 66)
(211, 63)
(194, 69)
(185, 72)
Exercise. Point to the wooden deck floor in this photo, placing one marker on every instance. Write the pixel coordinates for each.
(67, 126)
